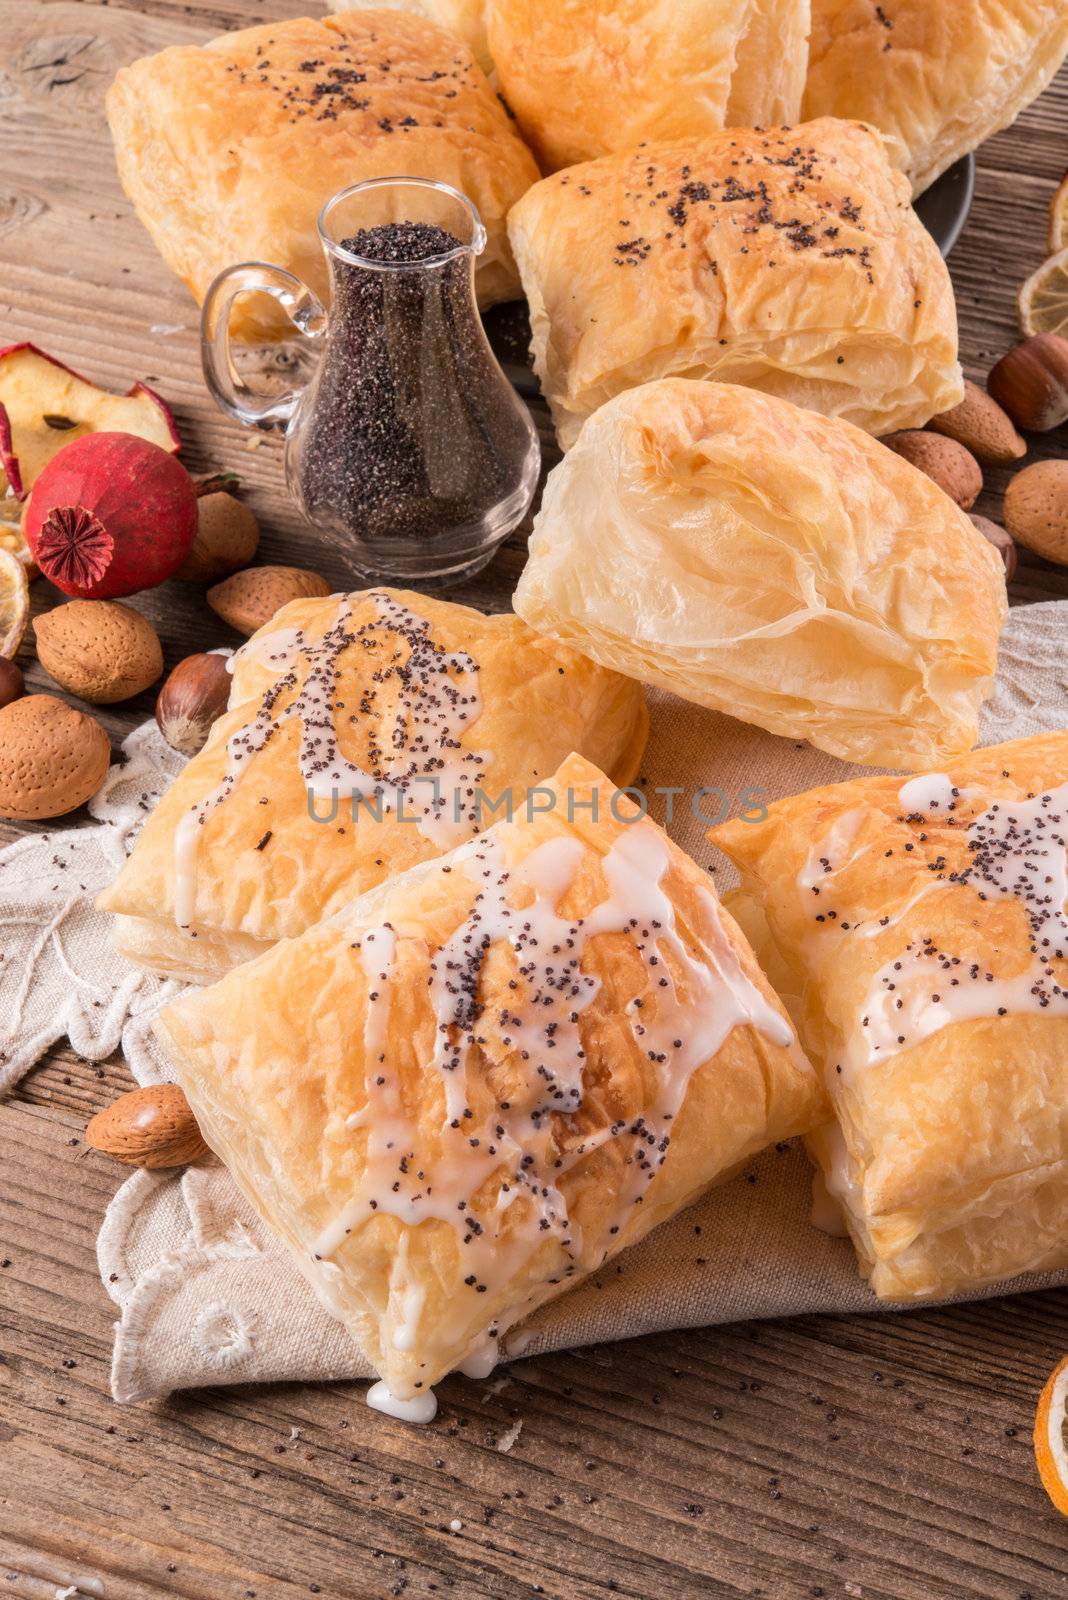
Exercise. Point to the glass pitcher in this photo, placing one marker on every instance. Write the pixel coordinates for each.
(409, 448)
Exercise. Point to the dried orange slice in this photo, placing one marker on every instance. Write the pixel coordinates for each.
(12, 537)
(1043, 300)
(1058, 218)
(14, 603)
(1051, 1437)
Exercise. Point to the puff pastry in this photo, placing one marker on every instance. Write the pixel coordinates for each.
(467, 18)
(478, 1082)
(585, 79)
(773, 564)
(936, 76)
(365, 733)
(923, 929)
(789, 260)
(229, 151)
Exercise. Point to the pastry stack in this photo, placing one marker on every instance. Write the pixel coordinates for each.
(468, 1022)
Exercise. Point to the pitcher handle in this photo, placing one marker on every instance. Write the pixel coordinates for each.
(226, 384)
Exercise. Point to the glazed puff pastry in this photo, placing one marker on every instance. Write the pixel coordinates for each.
(585, 79)
(936, 76)
(229, 151)
(365, 733)
(479, 1081)
(923, 928)
(771, 563)
(788, 260)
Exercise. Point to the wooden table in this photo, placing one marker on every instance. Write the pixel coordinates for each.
(880, 1456)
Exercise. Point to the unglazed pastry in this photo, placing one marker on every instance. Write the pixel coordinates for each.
(466, 18)
(366, 733)
(788, 260)
(229, 151)
(585, 78)
(922, 929)
(936, 76)
(481, 1080)
(773, 564)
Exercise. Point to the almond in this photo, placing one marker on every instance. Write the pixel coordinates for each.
(1036, 509)
(949, 464)
(99, 650)
(980, 425)
(250, 598)
(227, 538)
(53, 758)
(152, 1127)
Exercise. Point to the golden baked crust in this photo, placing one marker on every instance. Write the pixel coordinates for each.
(465, 18)
(789, 260)
(773, 564)
(418, 690)
(936, 76)
(585, 79)
(934, 999)
(484, 1078)
(228, 152)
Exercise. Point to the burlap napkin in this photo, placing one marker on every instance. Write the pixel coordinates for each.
(206, 1296)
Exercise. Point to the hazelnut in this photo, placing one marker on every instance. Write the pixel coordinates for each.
(980, 425)
(227, 539)
(12, 684)
(1036, 509)
(193, 697)
(954, 469)
(1031, 382)
(1001, 539)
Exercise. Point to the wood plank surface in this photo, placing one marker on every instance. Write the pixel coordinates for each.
(885, 1457)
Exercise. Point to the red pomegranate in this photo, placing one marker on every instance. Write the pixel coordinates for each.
(110, 515)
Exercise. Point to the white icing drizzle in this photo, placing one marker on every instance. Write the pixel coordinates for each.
(376, 955)
(1018, 849)
(275, 650)
(410, 1297)
(418, 762)
(827, 1214)
(496, 1175)
(833, 852)
(422, 1408)
(932, 791)
(482, 1360)
(840, 1188)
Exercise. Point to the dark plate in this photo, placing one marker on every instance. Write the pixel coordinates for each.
(943, 208)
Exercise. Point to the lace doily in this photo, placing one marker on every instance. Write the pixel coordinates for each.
(59, 975)
(197, 1279)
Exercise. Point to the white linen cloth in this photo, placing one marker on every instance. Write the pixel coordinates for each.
(205, 1295)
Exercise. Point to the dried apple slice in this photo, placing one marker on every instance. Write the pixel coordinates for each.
(44, 405)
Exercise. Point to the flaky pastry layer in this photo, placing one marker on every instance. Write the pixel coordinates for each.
(229, 151)
(919, 932)
(771, 563)
(483, 1079)
(937, 77)
(786, 259)
(451, 715)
